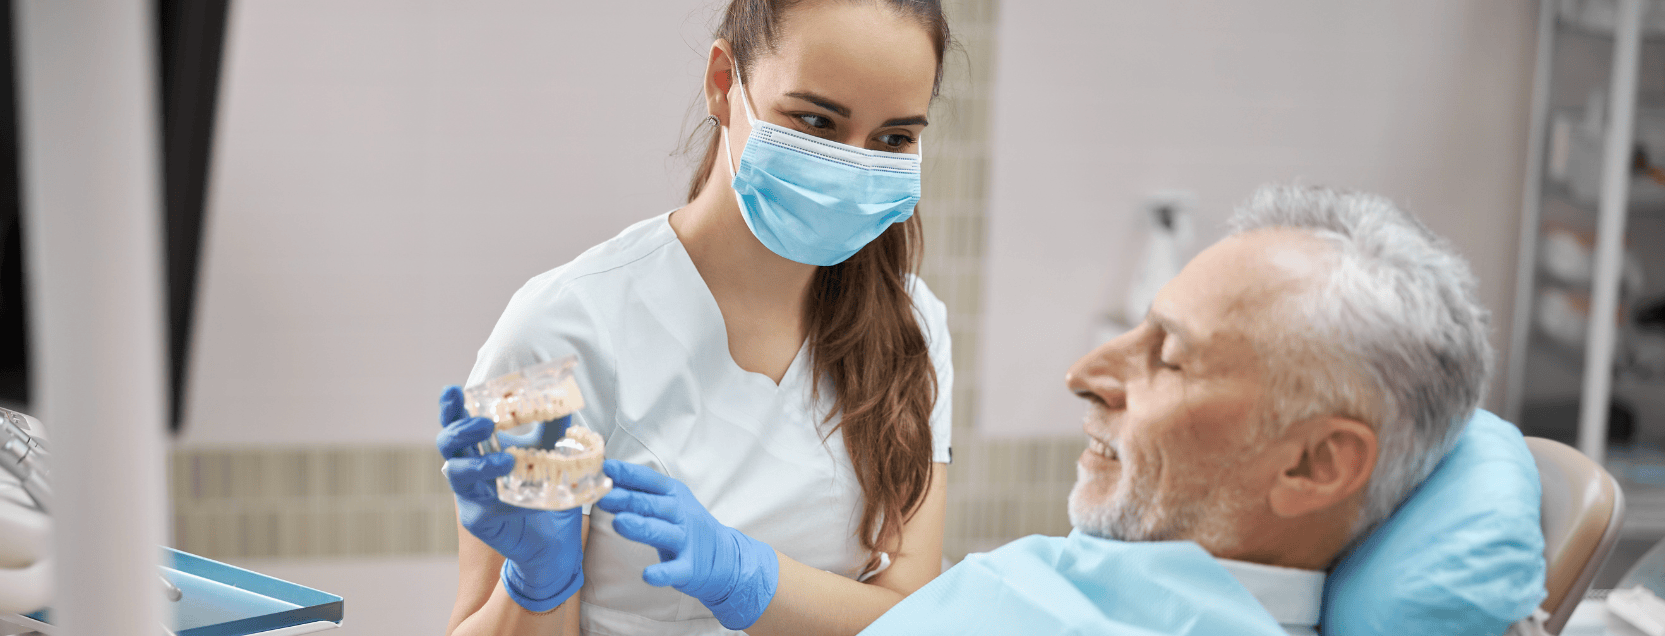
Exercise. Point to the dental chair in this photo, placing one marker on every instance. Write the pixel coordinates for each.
(1583, 509)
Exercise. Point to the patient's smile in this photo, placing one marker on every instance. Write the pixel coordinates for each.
(1099, 448)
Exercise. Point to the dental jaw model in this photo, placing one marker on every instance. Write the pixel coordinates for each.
(528, 406)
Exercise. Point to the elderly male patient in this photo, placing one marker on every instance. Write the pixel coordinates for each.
(1286, 391)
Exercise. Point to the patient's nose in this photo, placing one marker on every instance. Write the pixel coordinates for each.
(1099, 374)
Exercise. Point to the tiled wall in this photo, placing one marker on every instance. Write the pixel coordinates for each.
(353, 501)
(312, 502)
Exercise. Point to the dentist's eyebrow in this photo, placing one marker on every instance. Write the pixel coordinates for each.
(823, 102)
(844, 111)
(907, 121)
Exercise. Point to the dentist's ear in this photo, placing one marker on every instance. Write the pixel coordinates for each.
(1330, 461)
(719, 78)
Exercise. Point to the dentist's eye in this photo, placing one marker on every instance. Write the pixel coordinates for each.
(895, 142)
(815, 123)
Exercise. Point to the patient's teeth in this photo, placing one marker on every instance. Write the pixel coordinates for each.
(1098, 446)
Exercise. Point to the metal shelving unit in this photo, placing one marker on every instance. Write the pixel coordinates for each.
(1612, 206)
(1543, 368)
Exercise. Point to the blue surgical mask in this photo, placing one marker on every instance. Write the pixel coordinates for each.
(816, 201)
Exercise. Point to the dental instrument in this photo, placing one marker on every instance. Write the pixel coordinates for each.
(25, 456)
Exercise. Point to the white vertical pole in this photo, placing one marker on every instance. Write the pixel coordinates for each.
(1610, 230)
(1526, 256)
(92, 211)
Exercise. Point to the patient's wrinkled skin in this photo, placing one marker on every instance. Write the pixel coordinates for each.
(1172, 423)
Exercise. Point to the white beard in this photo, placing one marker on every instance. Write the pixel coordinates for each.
(1121, 517)
(1131, 514)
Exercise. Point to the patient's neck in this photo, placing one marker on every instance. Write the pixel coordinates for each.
(1308, 542)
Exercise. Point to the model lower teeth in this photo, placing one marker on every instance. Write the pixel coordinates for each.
(566, 476)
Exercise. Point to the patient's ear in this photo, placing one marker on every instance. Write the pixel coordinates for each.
(1329, 460)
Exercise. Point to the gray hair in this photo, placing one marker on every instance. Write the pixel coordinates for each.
(1394, 335)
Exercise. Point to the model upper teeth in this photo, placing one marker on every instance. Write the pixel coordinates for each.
(1098, 446)
(539, 393)
(518, 408)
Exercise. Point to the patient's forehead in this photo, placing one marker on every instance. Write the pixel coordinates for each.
(1225, 297)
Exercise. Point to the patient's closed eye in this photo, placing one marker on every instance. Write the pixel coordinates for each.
(1164, 353)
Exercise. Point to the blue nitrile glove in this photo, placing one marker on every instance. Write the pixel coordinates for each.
(732, 574)
(543, 549)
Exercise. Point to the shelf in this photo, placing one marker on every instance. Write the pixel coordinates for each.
(1596, 18)
(1570, 361)
(1573, 28)
(1647, 198)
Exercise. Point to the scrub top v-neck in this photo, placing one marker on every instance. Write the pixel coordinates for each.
(662, 388)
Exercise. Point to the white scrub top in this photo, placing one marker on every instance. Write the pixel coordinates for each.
(660, 386)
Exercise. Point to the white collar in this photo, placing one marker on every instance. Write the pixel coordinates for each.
(1293, 597)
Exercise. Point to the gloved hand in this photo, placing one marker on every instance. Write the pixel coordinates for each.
(543, 549)
(732, 574)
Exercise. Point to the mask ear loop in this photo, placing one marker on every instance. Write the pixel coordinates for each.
(728, 152)
(750, 119)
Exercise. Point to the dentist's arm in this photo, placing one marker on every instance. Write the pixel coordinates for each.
(749, 585)
(812, 601)
(480, 586)
(539, 553)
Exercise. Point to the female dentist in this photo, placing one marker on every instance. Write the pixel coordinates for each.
(763, 361)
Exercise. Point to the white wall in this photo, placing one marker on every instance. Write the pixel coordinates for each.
(1099, 103)
(388, 172)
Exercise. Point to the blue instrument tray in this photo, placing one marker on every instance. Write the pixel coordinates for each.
(225, 600)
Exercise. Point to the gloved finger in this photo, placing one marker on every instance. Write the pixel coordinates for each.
(478, 494)
(674, 573)
(637, 477)
(667, 537)
(462, 471)
(620, 500)
(470, 477)
(458, 438)
(451, 405)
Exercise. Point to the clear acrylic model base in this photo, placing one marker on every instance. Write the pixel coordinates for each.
(557, 466)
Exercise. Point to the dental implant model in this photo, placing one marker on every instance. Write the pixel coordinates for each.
(557, 466)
